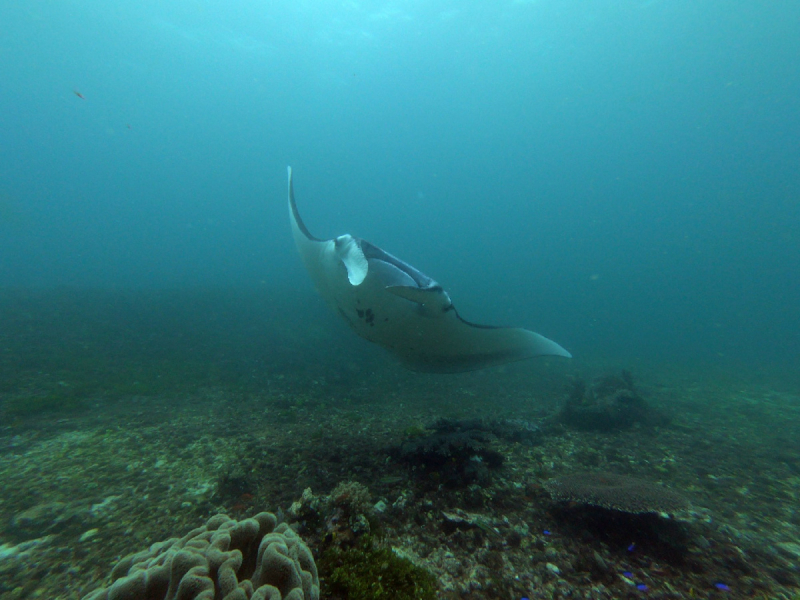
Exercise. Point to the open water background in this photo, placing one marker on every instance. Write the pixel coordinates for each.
(622, 177)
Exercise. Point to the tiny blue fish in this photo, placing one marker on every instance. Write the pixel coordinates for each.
(722, 586)
(627, 574)
(632, 546)
(642, 587)
(546, 532)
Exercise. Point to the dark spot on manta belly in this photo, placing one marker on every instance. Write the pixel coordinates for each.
(368, 316)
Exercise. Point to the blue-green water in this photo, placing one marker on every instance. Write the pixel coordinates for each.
(620, 176)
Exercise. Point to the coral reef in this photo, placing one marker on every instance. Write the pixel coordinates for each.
(610, 403)
(236, 560)
(307, 512)
(615, 492)
(341, 518)
(351, 497)
(349, 509)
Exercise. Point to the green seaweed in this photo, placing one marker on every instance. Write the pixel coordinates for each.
(369, 573)
(414, 431)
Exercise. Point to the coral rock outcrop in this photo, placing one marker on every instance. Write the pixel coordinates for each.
(252, 559)
(609, 403)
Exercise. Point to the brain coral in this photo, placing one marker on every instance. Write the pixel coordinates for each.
(616, 492)
(224, 559)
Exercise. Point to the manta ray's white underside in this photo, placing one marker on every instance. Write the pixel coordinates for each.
(390, 303)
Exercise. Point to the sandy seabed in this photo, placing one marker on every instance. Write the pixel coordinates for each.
(82, 489)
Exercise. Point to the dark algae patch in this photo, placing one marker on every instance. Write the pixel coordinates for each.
(366, 572)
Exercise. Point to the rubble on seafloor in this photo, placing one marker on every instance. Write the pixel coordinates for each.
(366, 488)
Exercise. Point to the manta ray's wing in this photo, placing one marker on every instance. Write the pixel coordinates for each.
(390, 303)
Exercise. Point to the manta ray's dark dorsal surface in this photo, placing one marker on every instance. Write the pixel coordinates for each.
(392, 304)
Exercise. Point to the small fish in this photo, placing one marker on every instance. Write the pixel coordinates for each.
(642, 587)
(78, 94)
(722, 586)
(632, 547)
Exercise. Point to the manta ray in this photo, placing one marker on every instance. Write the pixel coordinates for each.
(394, 305)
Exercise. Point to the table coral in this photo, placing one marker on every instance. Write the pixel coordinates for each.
(615, 492)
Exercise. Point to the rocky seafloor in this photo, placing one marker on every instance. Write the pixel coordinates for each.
(82, 489)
